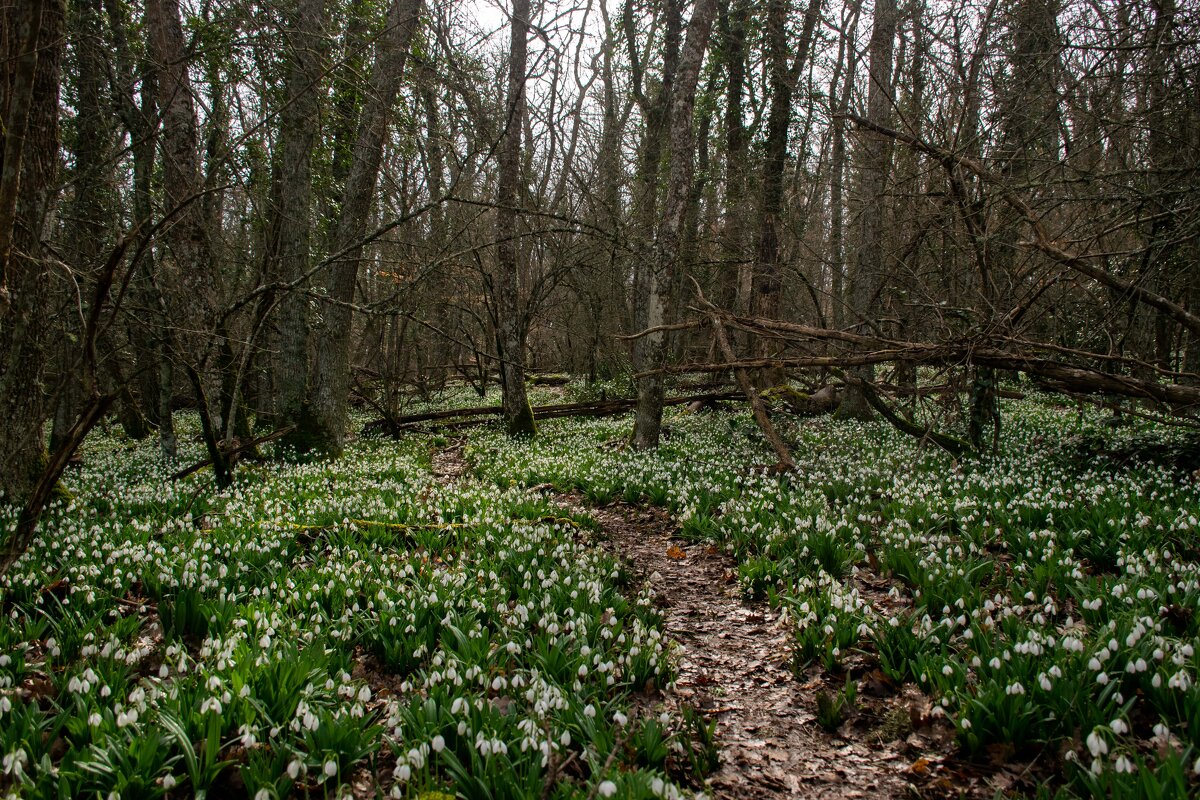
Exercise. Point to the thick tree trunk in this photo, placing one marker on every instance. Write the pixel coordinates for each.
(867, 280)
(93, 209)
(510, 324)
(286, 334)
(31, 38)
(738, 270)
(661, 284)
(322, 427)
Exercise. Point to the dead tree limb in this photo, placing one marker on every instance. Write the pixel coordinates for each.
(1041, 238)
(467, 416)
(231, 454)
(952, 445)
(743, 378)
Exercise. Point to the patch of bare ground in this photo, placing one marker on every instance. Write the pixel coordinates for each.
(733, 658)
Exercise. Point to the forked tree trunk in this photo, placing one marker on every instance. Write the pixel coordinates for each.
(661, 281)
(784, 75)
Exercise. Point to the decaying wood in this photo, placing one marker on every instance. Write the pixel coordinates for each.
(982, 350)
(743, 378)
(598, 408)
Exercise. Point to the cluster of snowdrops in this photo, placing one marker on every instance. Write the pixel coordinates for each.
(367, 623)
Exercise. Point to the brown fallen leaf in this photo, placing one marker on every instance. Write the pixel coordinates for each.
(920, 767)
(675, 551)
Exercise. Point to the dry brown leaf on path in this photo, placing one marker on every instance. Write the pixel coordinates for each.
(676, 552)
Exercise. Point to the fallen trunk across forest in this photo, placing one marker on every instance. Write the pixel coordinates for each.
(478, 414)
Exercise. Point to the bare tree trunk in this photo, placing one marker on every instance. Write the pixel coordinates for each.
(667, 269)
(322, 427)
(511, 327)
(867, 280)
(93, 211)
(286, 336)
(784, 77)
(187, 278)
(840, 88)
(738, 269)
(31, 41)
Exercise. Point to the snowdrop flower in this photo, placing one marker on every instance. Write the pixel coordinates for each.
(1096, 744)
(168, 781)
(438, 744)
(294, 768)
(1123, 764)
(606, 789)
(1119, 727)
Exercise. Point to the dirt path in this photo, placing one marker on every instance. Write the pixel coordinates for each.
(732, 658)
(733, 665)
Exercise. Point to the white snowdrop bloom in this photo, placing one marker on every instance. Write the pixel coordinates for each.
(402, 772)
(947, 670)
(589, 711)
(1119, 727)
(1096, 744)
(262, 794)
(565, 739)
(94, 719)
(606, 789)
(1046, 684)
(168, 781)
(1102, 678)
(1123, 764)
(620, 718)
(293, 769)
(364, 694)
(438, 744)
(330, 768)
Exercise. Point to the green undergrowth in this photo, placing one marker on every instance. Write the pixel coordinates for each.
(1050, 606)
(318, 625)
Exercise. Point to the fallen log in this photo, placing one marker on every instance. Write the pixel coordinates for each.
(478, 414)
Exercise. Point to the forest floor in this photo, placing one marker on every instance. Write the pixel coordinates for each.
(490, 617)
(733, 668)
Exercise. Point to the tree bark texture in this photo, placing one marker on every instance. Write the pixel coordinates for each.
(286, 335)
(869, 268)
(510, 325)
(322, 428)
(666, 270)
(31, 35)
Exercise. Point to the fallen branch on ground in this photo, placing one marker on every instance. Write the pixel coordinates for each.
(597, 408)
